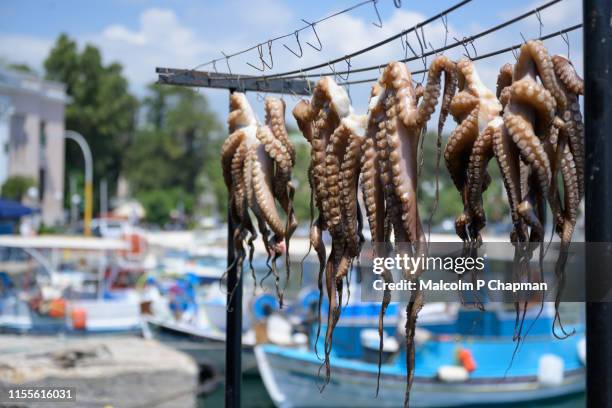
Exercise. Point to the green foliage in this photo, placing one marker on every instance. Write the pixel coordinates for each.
(175, 155)
(160, 202)
(22, 68)
(301, 200)
(101, 108)
(16, 187)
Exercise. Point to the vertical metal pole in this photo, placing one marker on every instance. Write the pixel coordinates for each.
(88, 191)
(103, 198)
(233, 335)
(598, 192)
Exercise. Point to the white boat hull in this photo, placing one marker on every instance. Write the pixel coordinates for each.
(205, 347)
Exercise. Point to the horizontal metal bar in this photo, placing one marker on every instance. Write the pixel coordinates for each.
(205, 79)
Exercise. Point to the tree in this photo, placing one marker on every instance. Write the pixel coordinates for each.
(22, 68)
(101, 108)
(175, 155)
(16, 187)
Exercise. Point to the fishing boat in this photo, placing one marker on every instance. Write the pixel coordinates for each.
(64, 284)
(470, 361)
(205, 345)
(180, 319)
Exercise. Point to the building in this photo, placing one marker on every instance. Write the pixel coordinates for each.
(32, 138)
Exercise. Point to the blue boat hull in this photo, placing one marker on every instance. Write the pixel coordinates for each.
(292, 376)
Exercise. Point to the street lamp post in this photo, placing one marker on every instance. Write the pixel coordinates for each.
(77, 137)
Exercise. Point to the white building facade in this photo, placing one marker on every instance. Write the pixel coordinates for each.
(32, 138)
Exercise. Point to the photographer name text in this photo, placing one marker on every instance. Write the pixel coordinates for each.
(493, 285)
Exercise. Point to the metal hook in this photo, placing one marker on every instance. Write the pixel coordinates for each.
(410, 46)
(423, 57)
(264, 64)
(444, 19)
(523, 37)
(307, 81)
(297, 39)
(464, 42)
(471, 42)
(229, 69)
(397, 3)
(348, 72)
(539, 17)
(240, 85)
(515, 53)
(380, 23)
(423, 37)
(403, 42)
(565, 38)
(348, 92)
(316, 35)
(293, 95)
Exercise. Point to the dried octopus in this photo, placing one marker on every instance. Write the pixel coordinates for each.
(395, 123)
(542, 136)
(335, 134)
(470, 147)
(257, 162)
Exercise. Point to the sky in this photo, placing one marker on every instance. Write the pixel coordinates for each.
(142, 34)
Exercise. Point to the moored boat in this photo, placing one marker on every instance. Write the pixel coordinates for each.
(72, 285)
(542, 368)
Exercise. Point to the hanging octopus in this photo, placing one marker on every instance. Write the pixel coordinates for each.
(542, 137)
(257, 162)
(525, 149)
(470, 147)
(336, 135)
(395, 123)
(569, 155)
(570, 148)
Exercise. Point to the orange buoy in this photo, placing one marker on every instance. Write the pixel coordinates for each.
(57, 308)
(467, 360)
(79, 318)
(136, 245)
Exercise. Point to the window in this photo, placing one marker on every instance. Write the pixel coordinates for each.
(41, 183)
(42, 134)
(18, 134)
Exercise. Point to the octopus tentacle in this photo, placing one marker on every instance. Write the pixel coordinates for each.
(350, 172)
(527, 91)
(481, 154)
(565, 71)
(228, 150)
(372, 189)
(573, 86)
(457, 151)
(275, 120)
(530, 147)
(430, 94)
(533, 57)
(572, 200)
(262, 188)
(241, 114)
(333, 160)
(504, 79)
